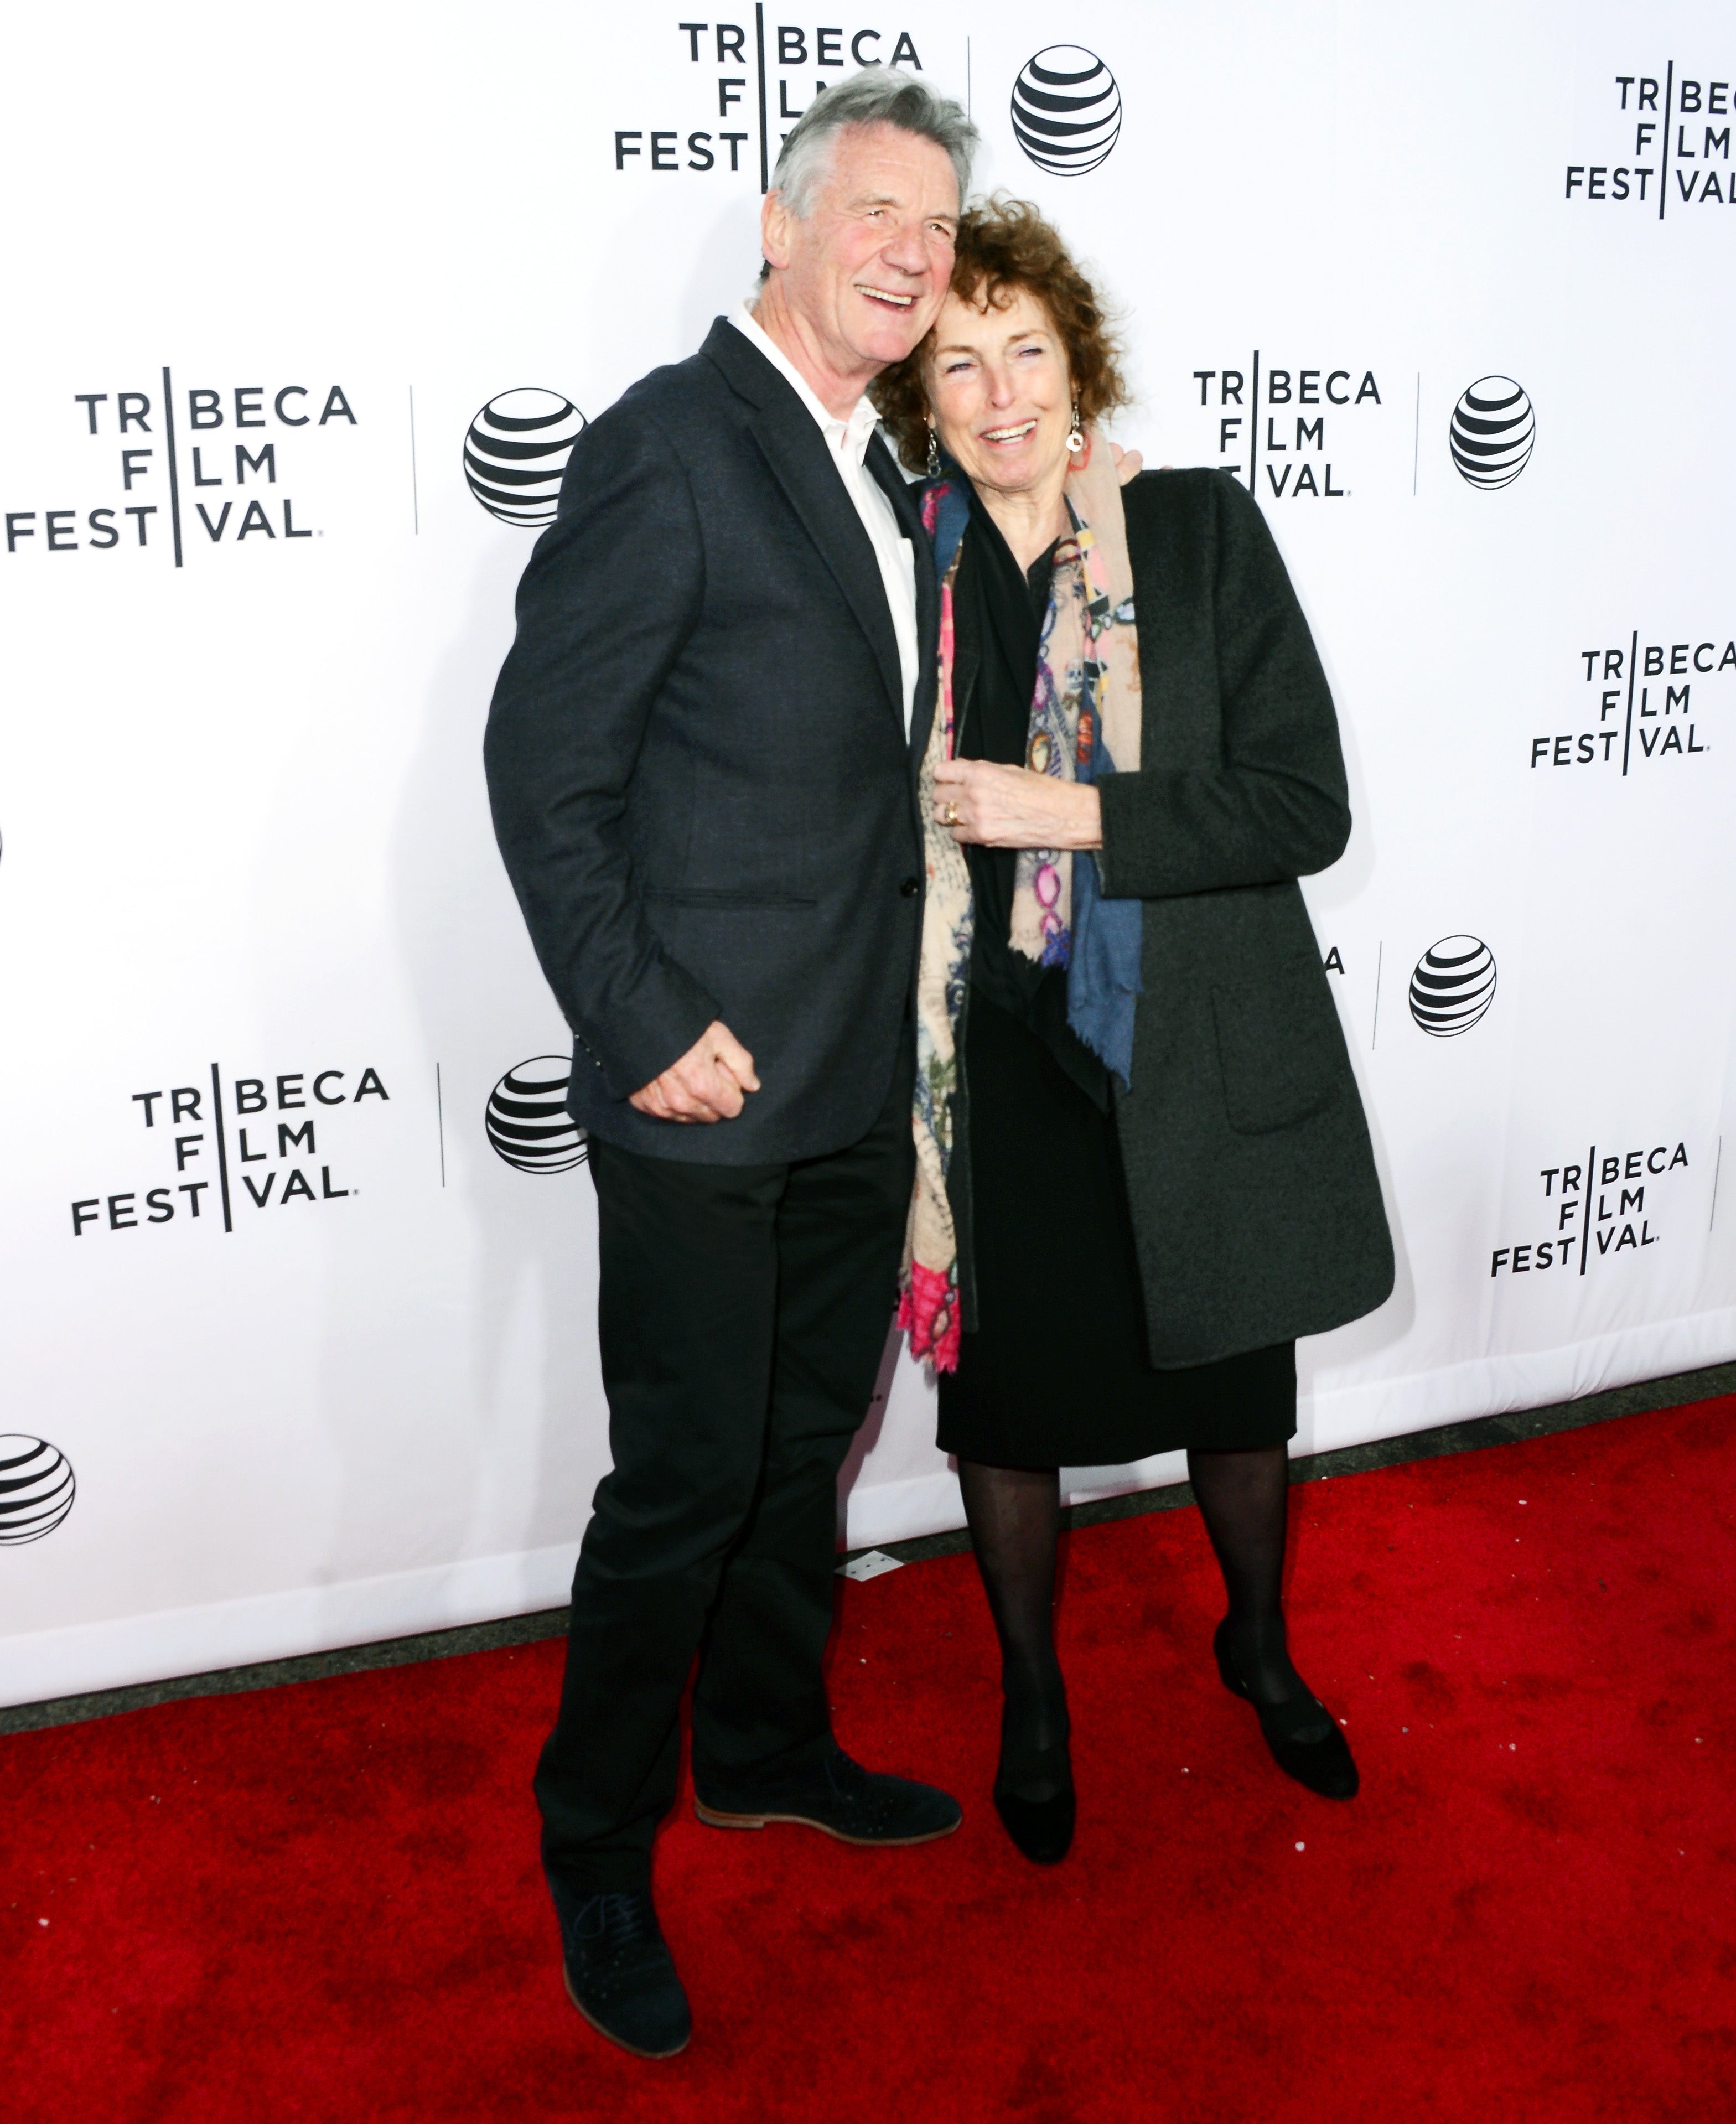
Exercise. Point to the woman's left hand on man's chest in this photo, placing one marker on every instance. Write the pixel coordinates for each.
(1010, 807)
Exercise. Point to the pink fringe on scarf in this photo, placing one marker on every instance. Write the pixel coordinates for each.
(929, 1314)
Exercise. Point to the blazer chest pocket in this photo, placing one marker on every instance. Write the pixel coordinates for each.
(1280, 1052)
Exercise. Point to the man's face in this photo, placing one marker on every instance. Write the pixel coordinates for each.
(868, 269)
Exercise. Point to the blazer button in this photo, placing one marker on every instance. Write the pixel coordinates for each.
(911, 887)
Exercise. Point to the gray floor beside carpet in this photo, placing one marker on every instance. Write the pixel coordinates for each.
(527, 1630)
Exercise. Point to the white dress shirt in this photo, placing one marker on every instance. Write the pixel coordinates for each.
(846, 443)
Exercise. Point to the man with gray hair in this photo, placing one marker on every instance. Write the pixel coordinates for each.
(701, 758)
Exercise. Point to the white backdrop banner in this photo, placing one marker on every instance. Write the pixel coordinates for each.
(299, 1255)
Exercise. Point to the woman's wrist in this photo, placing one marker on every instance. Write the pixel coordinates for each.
(1087, 806)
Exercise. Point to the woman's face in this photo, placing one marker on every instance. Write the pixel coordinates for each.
(1000, 391)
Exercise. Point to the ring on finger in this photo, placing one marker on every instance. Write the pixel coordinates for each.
(949, 816)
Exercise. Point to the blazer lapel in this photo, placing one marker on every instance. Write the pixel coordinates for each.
(902, 497)
(793, 446)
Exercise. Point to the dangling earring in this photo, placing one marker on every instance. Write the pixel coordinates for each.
(934, 454)
(1076, 440)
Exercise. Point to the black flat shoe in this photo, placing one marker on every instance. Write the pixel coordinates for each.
(1320, 1761)
(1043, 1829)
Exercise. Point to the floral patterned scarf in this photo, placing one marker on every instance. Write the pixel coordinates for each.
(1085, 723)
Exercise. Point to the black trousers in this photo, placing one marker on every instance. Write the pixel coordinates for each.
(742, 1312)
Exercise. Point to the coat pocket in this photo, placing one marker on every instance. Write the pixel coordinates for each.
(1280, 1051)
(706, 896)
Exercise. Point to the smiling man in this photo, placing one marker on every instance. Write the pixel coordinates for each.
(702, 757)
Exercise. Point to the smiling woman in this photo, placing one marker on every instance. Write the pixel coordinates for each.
(1143, 1166)
(1010, 264)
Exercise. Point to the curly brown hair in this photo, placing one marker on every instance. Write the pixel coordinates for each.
(1004, 246)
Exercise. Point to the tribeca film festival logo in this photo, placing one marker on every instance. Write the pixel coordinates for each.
(1280, 415)
(1295, 458)
(743, 70)
(1668, 150)
(242, 1153)
(1493, 432)
(36, 1488)
(1642, 714)
(210, 477)
(1597, 1215)
(1067, 111)
(515, 453)
(527, 1120)
(1452, 987)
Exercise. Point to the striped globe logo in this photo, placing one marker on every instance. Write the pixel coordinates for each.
(36, 1488)
(1453, 986)
(1493, 428)
(516, 451)
(527, 1119)
(1066, 110)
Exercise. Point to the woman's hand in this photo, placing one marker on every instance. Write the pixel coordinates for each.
(1010, 807)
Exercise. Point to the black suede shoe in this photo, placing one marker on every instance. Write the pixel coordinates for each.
(618, 1970)
(1322, 1761)
(839, 1797)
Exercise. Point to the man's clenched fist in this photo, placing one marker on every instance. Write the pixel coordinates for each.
(709, 1083)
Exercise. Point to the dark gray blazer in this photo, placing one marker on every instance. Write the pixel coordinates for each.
(697, 762)
(1256, 1206)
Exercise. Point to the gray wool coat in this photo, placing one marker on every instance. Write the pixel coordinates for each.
(1256, 1209)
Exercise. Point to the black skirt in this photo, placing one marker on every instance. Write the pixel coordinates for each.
(1057, 1373)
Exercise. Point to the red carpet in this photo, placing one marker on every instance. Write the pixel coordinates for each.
(322, 1903)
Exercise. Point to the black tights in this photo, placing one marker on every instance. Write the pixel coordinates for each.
(1015, 1518)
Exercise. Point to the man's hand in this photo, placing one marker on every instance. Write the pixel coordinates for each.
(1129, 463)
(709, 1083)
(1010, 807)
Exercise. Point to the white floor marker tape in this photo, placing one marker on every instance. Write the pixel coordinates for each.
(870, 1564)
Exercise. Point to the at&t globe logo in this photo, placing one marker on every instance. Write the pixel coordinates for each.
(527, 1122)
(516, 451)
(36, 1488)
(1453, 986)
(1493, 432)
(1067, 111)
